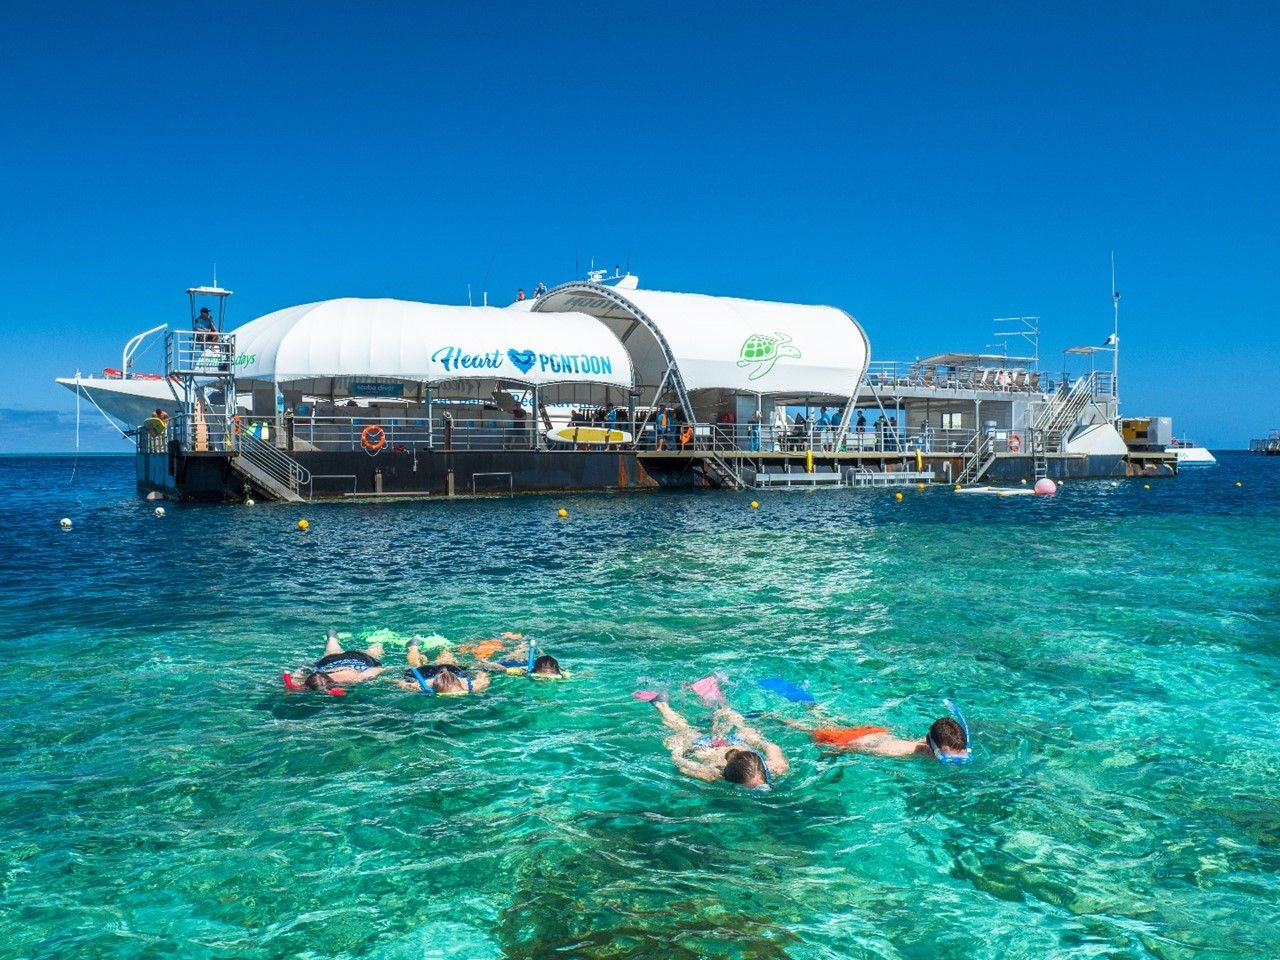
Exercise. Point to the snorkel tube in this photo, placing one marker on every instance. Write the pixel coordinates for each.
(953, 758)
(426, 687)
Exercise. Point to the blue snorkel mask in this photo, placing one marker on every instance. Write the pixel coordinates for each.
(953, 758)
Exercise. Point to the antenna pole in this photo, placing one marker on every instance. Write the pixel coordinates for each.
(1115, 338)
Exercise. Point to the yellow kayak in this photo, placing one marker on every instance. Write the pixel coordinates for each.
(584, 434)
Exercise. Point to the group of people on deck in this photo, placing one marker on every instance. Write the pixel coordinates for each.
(733, 749)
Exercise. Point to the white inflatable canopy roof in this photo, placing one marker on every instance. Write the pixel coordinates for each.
(727, 343)
(428, 343)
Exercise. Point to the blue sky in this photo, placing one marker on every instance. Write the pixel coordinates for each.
(925, 166)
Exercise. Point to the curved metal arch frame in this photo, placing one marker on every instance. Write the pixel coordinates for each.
(608, 293)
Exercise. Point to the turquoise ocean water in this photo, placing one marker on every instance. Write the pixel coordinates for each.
(1117, 651)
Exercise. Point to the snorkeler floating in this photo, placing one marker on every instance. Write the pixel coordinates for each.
(947, 740)
(522, 660)
(338, 668)
(733, 751)
(442, 677)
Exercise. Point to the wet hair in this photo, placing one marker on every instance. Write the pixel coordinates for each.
(744, 766)
(446, 681)
(318, 680)
(948, 735)
(548, 665)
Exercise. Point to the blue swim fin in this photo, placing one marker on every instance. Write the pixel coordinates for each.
(785, 688)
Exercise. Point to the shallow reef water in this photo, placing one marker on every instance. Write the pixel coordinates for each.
(1116, 650)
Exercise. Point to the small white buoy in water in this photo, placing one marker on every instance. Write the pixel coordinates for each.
(249, 502)
(154, 495)
(1115, 483)
(1045, 487)
(65, 523)
(159, 511)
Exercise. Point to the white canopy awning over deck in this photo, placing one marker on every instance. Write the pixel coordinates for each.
(725, 343)
(354, 339)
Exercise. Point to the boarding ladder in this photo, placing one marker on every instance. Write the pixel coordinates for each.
(268, 468)
(1039, 453)
(980, 454)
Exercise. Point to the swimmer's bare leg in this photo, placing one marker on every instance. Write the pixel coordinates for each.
(332, 645)
(374, 650)
(413, 655)
(674, 721)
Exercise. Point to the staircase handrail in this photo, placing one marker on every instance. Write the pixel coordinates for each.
(272, 461)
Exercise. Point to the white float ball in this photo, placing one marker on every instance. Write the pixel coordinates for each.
(65, 523)
(1045, 487)
(159, 511)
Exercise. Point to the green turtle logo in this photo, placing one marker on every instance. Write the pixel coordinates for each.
(762, 352)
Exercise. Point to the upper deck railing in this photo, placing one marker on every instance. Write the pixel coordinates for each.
(200, 353)
(882, 374)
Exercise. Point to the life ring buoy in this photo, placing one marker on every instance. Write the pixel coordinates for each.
(373, 438)
(686, 435)
(1015, 443)
(235, 423)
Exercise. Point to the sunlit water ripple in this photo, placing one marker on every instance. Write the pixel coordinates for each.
(1115, 649)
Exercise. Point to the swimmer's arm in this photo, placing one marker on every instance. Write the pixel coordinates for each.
(479, 682)
(404, 684)
(691, 768)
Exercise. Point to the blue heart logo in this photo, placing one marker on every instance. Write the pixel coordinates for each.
(523, 359)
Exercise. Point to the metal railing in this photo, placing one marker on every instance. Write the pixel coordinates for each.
(200, 353)
(1065, 407)
(894, 373)
(275, 463)
(376, 435)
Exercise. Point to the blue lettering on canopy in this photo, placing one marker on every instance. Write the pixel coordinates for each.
(456, 359)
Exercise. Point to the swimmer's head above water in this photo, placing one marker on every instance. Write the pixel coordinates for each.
(746, 769)
(318, 680)
(949, 741)
(546, 666)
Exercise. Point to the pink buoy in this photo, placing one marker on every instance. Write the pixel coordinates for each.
(1045, 487)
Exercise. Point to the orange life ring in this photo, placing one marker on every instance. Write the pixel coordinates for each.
(373, 438)
(686, 435)
(1015, 443)
(235, 423)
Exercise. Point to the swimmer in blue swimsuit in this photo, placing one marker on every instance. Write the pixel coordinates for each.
(734, 751)
(342, 668)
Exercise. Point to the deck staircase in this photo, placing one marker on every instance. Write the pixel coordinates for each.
(720, 472)
(272, 471)
(980, 454)
(1063, 410)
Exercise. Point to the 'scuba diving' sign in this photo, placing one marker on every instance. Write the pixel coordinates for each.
(582, 364)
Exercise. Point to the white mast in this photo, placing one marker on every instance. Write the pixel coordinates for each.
(1115, 338)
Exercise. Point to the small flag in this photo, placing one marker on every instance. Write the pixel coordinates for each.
(1112, 340)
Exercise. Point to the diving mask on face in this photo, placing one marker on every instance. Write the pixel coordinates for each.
(952, 758)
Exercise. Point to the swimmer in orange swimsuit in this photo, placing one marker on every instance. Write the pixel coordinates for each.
(947, 741)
